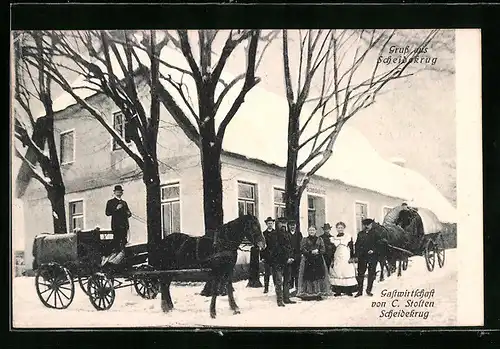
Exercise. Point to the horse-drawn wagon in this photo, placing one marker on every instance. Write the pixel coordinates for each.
(422, 237)
(60, 260)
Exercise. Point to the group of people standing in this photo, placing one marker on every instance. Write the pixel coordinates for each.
(317, 266)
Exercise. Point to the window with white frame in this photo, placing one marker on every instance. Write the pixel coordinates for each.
(311, 211)
(279, 203)
(120, 126)
(170, 209)
(67, 139)
(75, 215)
(247, 198)
(361, 213)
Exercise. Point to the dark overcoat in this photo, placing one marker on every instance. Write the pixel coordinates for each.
(119, 217)
(279, 245)
(264, 254)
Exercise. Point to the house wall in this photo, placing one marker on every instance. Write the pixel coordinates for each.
(339, 198)
(96, 163)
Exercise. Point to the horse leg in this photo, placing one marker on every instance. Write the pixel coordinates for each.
(215, 287)
(382, 263)
(166, 300)
(399, 267)
(230, 294)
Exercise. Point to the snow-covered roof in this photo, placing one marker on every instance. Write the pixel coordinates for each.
(259, 131)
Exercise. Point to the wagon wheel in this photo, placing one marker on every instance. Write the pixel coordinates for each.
(430, 254)
(147, 286)
(84, 284)
(101, 291)
(440, 251)
(405, 263)
(54, 286)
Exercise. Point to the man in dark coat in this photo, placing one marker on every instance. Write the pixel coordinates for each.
(264, 255)
(404, 216)
(366, 248)
(296, 239)
(280, 257)
(329, 246)
(120, 213)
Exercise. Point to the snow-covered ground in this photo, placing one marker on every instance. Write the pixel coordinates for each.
(257, 309)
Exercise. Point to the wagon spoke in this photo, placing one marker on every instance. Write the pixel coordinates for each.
(50, 295)
(61, 292)
(64, 288)
(48, 289)
(60, 299)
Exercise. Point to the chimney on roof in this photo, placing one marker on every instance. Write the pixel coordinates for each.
(399, 161)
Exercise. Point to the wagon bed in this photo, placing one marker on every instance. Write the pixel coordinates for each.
(431, 245)
(60, 260)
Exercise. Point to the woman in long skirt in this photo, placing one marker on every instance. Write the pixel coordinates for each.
(343, 273)
(313, 273)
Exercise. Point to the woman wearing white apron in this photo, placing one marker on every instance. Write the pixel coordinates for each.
(343, 273)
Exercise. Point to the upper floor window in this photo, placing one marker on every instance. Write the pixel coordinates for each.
(75, 215)
(170, 209)
(120, 126)
(361, 213)
(247, 199)
(279, 203)
(67, 139)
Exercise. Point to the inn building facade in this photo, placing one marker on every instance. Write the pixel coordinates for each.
(92, 163)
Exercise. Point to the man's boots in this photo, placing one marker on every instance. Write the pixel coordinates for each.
(286, 297)
(266, 283)
(279, 298)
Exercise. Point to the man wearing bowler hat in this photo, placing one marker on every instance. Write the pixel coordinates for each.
(296, 239)
(264, 255)
(366, 249)
(329, 247)
(118, 209)
(280, 257)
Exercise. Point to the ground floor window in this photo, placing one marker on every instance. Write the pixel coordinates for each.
(311, 212)
(247, 198)
(361, 213)
(170, 209)
(279, 203)
(75, 215)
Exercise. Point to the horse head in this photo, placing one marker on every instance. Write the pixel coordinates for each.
(252, 231)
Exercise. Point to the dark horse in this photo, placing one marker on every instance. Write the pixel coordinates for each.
(218, 254)
(408, 239)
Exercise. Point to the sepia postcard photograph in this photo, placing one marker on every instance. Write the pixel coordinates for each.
(306, 178)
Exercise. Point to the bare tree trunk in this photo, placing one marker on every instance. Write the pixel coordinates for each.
(212, 199)
(212, 186)
(292, 193)
(56, 197)
(151, 179)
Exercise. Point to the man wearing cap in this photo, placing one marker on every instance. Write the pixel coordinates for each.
(365, 252)
(280, 257)
(329, 247)
(120, 213)
(296, 239)
(264, 255)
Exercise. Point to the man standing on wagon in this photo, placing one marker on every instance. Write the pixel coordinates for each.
(118, 209)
